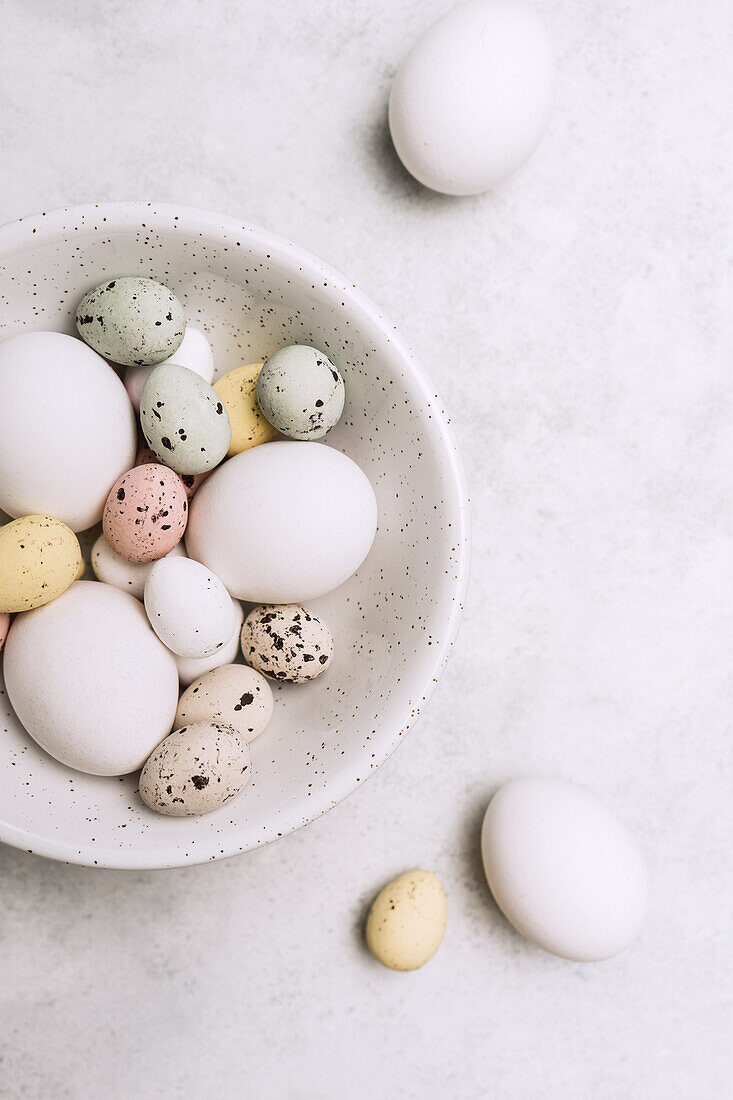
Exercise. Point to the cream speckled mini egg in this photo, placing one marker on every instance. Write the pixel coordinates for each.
(286, 642)
(189, 608)
(39, 559)
(146, 512)
(131, 321)
(236, 695)
(238, 392)
(195, 770)
(184, 422)
(194, 353)
(407, 920)
(301, 392)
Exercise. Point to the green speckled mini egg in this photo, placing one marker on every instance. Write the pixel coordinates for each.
(133, 321)
(300, 392)
(184, 422)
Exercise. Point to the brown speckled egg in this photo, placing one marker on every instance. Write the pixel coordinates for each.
(191, 482)
(146, 512)
(286, 642)
(4, 627)
(195, 770)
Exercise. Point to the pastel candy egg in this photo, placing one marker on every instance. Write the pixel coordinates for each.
(39, 558)
(235, 695)
(90, 681)
(189, 608)
(67, 429)
(194, 352)
(407, 920)
(131, 320)
(183, 420)
(238, 392)
(287, 643)
(191, 668)
(283, 523)
(111, 568)
(191, 482)
(145, 514)
(195, 770)
(4, 626)
(300, 392)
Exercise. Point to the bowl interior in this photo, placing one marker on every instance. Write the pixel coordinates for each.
(393, 622)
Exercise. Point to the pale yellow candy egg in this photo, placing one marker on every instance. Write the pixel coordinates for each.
(40, 558)
(407, 920)
(238, 392)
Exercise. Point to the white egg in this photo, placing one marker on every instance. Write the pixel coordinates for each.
(90, 681)
(472, 101)
(194, 352)
(67, 428)
(283, 522)
(190, 668)
(111, 568)
(563, 869)
(189, 608)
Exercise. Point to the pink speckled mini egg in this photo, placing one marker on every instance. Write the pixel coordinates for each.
(191, 482)
(146, 512)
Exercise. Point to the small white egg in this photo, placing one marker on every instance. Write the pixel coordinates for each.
(111, 568)
(563, 869)
(194, 352)
(191, 668)
(189, 608)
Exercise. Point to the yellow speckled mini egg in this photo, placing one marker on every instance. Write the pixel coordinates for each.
(238, 392)
(407, 920)
(39, 558)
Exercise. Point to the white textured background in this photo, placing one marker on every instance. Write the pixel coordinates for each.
(580, 328)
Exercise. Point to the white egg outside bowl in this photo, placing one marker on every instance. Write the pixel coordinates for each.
(394, 622)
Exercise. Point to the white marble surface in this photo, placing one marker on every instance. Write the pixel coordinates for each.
(579, 326)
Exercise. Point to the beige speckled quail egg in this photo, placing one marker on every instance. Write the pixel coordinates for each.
(184, 422)
(195, 770)
(407, 921)
(286, 642)
(235, 695)
(301, 392)
(189, 608)
(131, 321)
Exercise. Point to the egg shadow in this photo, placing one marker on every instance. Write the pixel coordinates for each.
(381, 152)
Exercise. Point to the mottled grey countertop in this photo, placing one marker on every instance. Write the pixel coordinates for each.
(579, 326)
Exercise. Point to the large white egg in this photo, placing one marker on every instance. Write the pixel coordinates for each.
(563, 869)
(67, 428)
(471, 102)
(90, 681)
(284, 522)
(188, 607)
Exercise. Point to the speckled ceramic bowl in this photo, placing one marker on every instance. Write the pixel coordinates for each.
(394, 621)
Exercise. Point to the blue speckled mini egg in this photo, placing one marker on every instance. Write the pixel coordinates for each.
(184, 422)
(132, 321)
(301, 392)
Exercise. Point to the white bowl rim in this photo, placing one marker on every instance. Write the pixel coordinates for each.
(120, 215)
